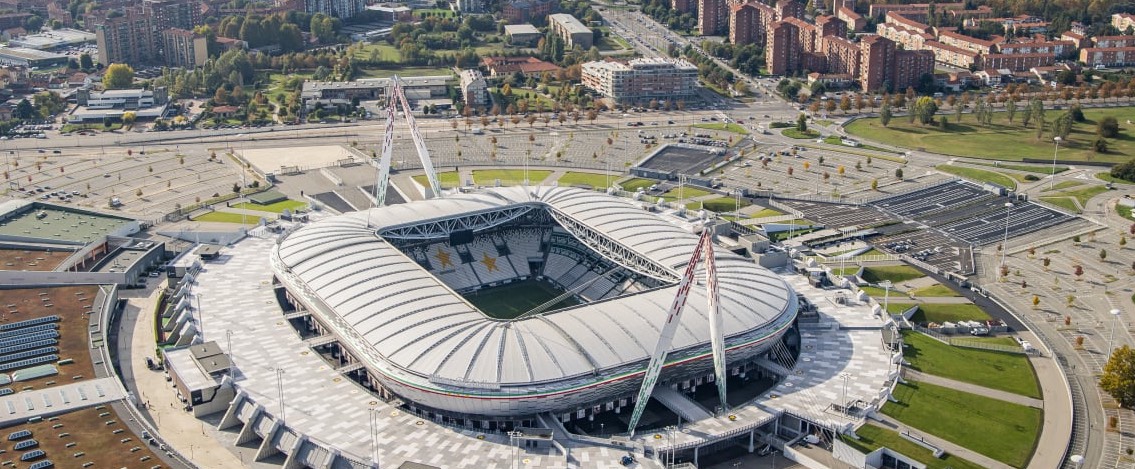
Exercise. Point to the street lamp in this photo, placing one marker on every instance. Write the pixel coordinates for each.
(1111, 340)
(1005, 241)
(514, 438)
(886, 284)
(1056, 139)
(843, 404)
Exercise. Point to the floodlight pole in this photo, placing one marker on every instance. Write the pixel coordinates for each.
(1111, 340)
(1056, 139)
(886, 284)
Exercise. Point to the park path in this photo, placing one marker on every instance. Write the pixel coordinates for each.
(961, 452)
(973, 388)
(553, 177)
(945, 300)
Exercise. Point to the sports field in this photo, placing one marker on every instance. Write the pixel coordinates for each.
(514, 299)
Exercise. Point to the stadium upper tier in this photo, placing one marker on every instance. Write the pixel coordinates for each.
(426, 343)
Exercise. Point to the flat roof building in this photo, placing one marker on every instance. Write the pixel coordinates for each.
(30, 57)
(474, 90)
(522, 33)
(574, 33)
(641, 79)
(53, 39)
(332, 93)
(111, 104)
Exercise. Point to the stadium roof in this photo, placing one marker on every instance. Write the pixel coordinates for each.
(402, 315)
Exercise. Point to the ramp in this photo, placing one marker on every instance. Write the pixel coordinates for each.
(680, 404)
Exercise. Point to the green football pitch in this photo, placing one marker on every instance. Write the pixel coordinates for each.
(514, 299)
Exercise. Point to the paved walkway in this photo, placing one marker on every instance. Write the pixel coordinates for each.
(178, 428)
(1057, 426)
(946, 300)
(964, 453)
(973, 389)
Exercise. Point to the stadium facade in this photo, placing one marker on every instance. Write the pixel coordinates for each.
(391, 285)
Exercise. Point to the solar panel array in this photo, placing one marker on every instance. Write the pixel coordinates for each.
(29, 322)
(26, 444)
(29, 362)
(29, 338)
(30, 455)
(29, 345)
(28, 354)
(27, 330)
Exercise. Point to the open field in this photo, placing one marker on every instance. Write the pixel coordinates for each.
(894, 273)
(872, 437)
(938, 290)
(1001, 430)
(720, 204)
(1002, 140)
(978, 175)
(996, 370)
(1081, 195)
(508, 177)
(634, 184)
(228, 217)
(940, 313)
(595, 180)
(1106, 176)
(730, 127)
(277, 207)
(446, 179)
(1027, 168)
(687, 192)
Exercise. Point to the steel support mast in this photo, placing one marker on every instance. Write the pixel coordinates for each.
(673, 318)
(398, 97)
(716, 329)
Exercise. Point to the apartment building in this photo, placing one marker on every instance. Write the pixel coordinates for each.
(641, 79)
(126, 39)
(474, 89)
(683, 6)
(1017, 62)
(855, 21)
(1113, 41)
(525, 11)
(953, 55)
(713, 17)
(789, 9)
(748, 22)
(907, 37)
(1107, 56)
(782, 49)
(1123, 21)
(914, 11)
(842, 55)
(166, 14)
(974, 44)
(342, 9)
(184, 48)
(573, 32)
(882, 64)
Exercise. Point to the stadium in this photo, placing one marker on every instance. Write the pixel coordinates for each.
(484, 309)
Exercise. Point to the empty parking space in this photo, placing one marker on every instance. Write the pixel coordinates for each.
(838, 216)
(682, 160)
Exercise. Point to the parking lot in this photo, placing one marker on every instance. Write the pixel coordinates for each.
(840, 216)
(682, 159)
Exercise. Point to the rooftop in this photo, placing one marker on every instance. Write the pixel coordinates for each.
(525, 28)
(59, 225)
(29, 54)
(569, 23)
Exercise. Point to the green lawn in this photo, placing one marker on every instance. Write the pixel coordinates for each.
(1001, 140)
(730, 127)
(508, 177)
(766, 212)
(720, 204)
(446, 179)
(1027, 168)
(440, 12)
(894, 273)
(845, 271)
(880, 293)
(940, 313)
(978, 175)
(1124, 212)
(514, 299)
(895, 308)
(228, 217)
(793, 133)
(1007, 372)
(687, 193)
(938, 290)
(872, 437)
(1083, 194)
(386, 52)
(1063, 185)
(594, 180)
(277, 207)
(801, 229)
(1062, 202)
(838, 141)
(1001, 430)
(1106, 176)
(634, 184)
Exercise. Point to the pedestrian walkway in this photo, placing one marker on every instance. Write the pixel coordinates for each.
(961, 452)
(973, 389)
(176, 427)
(555, 176)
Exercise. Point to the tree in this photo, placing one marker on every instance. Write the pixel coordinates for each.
(129, 117)
(118, 76)
(1108, 127)
(85, 61)
(1046, 261)
(24, 109)
(874, 184)
(1103, 254)
(291, 38)
(1078, 271)
(1099, 145)
(898, 173)
(1036, 301)
(924, 109)
(1118, 377)
(885, 114)
(1011, 109)
(802, 123)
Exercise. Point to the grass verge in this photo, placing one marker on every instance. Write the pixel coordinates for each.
(872, 437)
(995, 370)
(227, 217)
(446, 179)
(793, 133)
(595, 181)
(730, 127)
(938, 290)
(940, 313)
(1001, 430)
(979, 175)
(508, 177)
(277, 207)
(894, 273)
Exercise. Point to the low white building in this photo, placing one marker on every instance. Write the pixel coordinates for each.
(641, 79)
(474, 89)
(111, 104)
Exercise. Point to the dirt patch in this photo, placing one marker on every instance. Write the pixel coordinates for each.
(93, 432)
(71, 304)
(36, 261)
